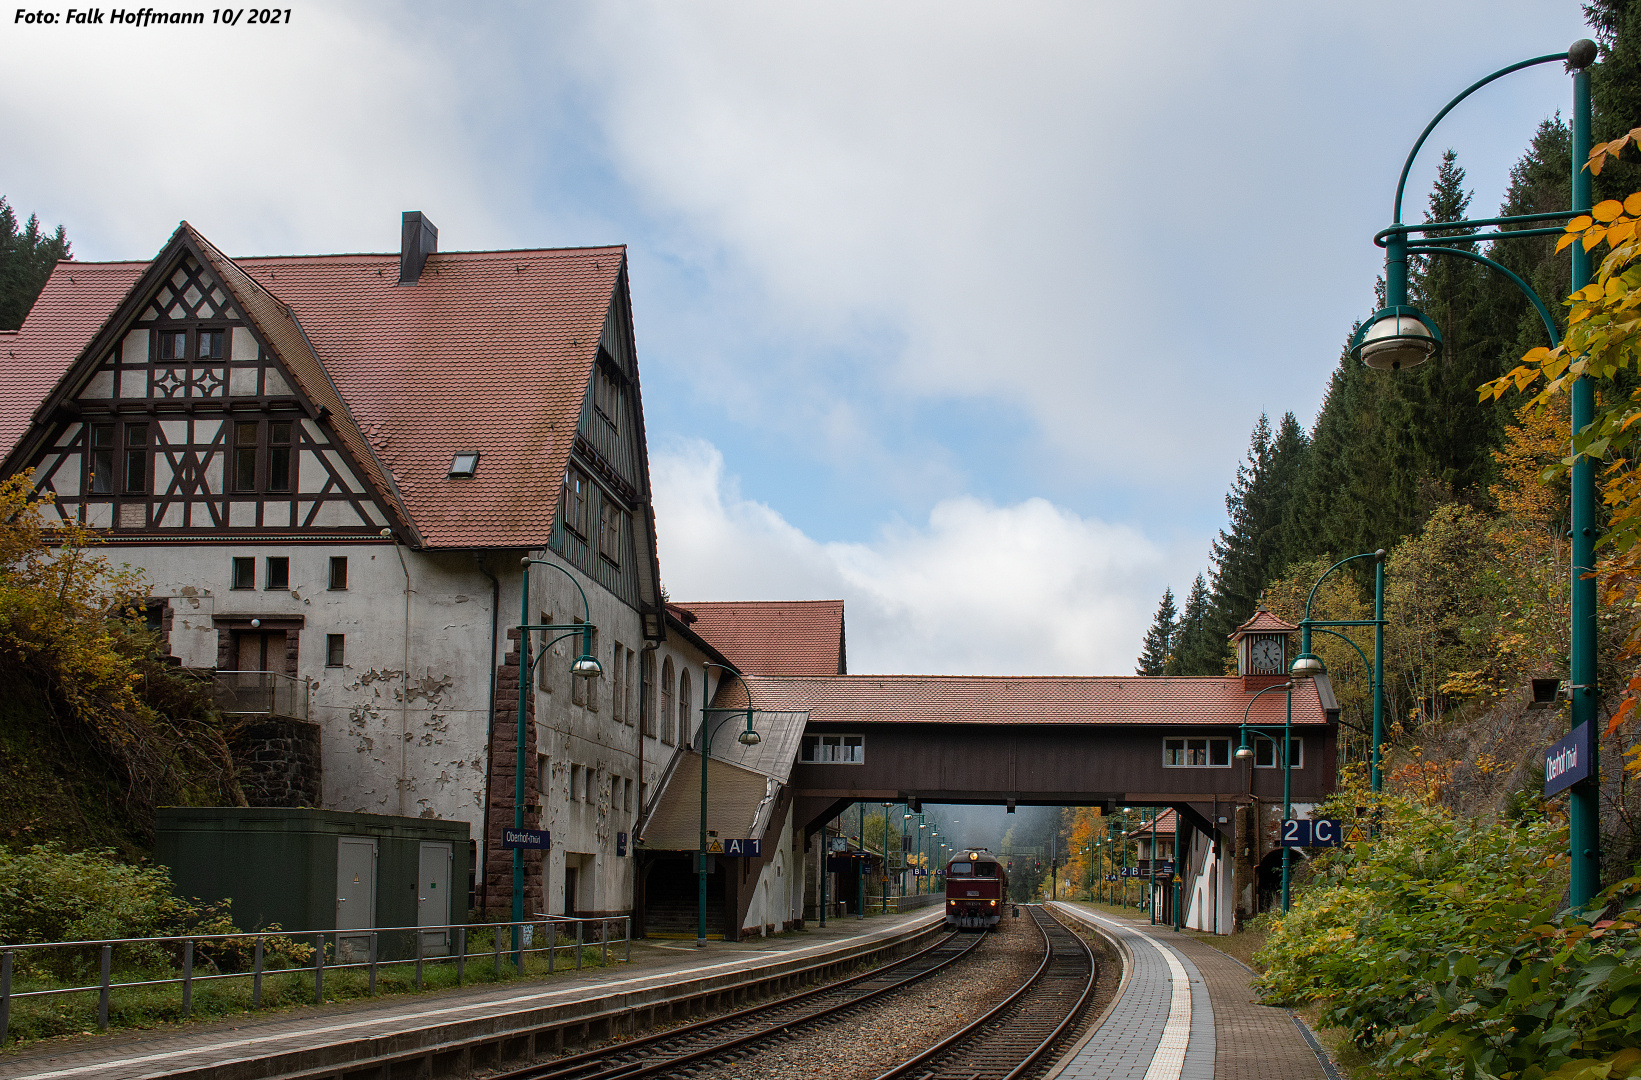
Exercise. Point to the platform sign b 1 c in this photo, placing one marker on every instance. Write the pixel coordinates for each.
(1568, 761)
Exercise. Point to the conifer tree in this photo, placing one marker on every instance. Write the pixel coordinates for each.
(1196, 650)
(1159, 640)
(26, 260)
(1250, 554)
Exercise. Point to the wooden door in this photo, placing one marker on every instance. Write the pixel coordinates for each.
(259, 651)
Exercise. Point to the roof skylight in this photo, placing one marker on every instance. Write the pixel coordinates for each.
(464, 464)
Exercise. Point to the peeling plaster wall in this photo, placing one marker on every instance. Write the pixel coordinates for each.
(381, 754)
(777, 895)
(580, 736)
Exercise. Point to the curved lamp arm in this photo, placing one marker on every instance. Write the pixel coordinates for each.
(1379, 554)
(706, 735)
(1543, 311)
(1287, 686)
(1401, 183)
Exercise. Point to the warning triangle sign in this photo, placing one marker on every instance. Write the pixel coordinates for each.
(716, 847)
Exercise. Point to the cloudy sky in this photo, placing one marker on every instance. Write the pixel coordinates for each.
(962, 312)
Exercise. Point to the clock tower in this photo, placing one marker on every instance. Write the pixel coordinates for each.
(1262, 650)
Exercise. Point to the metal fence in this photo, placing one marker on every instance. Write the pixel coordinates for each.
(333, 950)
(264, 693)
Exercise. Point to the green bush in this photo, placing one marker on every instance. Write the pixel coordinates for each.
(50, 894)
(1441, 949)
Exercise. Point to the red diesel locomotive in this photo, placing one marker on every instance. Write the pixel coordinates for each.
(976, 889)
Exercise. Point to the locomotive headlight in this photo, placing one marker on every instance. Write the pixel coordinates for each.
(994, 903)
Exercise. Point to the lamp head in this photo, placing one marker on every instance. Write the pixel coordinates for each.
(749, 738)
(1307, 666)
(1244, 752)
(1395, 338)
(586, 667)
(1582, 54)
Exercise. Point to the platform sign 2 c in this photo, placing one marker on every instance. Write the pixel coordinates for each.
(1309, 832)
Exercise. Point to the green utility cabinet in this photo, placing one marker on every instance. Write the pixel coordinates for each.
(318, 869)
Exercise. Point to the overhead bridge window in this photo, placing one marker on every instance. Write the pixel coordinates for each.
(834, 749)
(1196, 753)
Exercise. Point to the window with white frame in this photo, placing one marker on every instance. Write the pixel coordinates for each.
(683, 707)
(834, 749)
(1268, 753)
(1188, 753)
(666, 701)
(624, 687)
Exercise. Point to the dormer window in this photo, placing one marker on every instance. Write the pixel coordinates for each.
(463, 464)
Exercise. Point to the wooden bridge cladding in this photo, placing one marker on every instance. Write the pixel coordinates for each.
(1046, 765)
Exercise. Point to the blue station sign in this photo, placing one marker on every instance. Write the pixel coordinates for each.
(540, 839)
(736, 849)
(1312, 832)
(1568, 761)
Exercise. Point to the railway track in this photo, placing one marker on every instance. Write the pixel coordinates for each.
(680, 1050)
(1013, 1039)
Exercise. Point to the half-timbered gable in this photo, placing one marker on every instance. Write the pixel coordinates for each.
(181, 420)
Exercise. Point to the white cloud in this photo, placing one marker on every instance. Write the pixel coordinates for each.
(978, 589)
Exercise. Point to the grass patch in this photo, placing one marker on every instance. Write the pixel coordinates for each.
(33, 1019)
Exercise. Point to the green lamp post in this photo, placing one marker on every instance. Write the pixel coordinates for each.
(1307, 665)
(1401, 336)
(585, 666)
(748, 737)
(1245, 753)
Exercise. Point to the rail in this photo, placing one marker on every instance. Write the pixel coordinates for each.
(331, 951)
(260, 693)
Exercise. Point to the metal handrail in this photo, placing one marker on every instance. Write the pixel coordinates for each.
(260, 693)
(317, 940)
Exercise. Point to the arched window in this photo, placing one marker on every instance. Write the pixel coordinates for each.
(646, 691)
(683, 707)
(666, 700)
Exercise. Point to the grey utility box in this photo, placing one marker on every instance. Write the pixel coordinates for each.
(318, 869)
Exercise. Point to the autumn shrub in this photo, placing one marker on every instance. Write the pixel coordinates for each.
(69, 640)
(1442, 949)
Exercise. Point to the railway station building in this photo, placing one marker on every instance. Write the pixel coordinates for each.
(332, 470)
(329, 468)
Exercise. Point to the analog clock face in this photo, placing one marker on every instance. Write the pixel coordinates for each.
(1265, 656)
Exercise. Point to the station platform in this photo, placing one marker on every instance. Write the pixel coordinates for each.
(1184, 1011)
(456, 1027)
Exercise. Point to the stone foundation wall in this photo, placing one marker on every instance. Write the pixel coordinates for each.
(279, 762)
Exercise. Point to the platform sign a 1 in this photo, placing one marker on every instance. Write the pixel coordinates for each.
(1307, 832)
(743, 849)
(1568, 761)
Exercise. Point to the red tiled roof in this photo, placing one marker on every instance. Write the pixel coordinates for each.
(1263, 621)
(774, 637)
(490, 351)
(1034, 699)
(1164, 823)
(77, 298)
